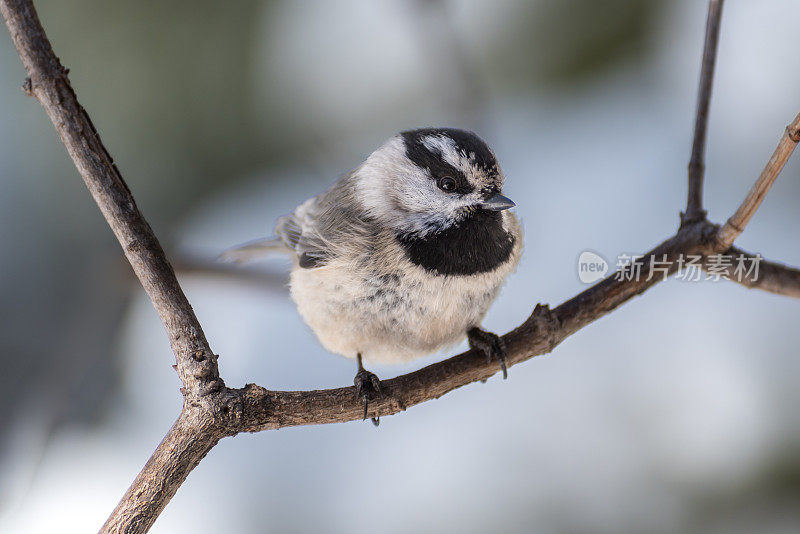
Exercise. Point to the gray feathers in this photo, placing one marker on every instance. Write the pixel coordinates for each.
(391, 264)
(325, 226)
(318, 229)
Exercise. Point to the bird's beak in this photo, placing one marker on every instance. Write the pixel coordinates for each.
(497, 202)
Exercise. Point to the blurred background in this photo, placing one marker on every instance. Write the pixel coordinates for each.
(677, 413)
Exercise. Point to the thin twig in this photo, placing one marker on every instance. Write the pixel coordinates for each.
(694, 203)
(735, 225)
(768, 276)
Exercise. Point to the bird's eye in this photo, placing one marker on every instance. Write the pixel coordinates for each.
(446, 184)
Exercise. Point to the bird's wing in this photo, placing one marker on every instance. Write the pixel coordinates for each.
(323, 227)
(300, 231)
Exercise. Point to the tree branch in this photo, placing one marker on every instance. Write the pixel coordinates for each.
(771, 276)
(48, 82)
(211, 411)
(186, 443)
(539, 334)
(735, 225)
(697, 166)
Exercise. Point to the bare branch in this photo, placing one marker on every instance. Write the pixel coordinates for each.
(697, 166)
(254, 408)
(186, 443)
(539, 334)
(48, 82)
(772, 277)
(735, 225)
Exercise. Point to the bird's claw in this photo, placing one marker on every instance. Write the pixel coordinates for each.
(491, 345)
(367, 387)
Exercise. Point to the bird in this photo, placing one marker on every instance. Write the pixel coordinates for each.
(402, 256)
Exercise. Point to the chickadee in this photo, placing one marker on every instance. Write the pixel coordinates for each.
(403, 255)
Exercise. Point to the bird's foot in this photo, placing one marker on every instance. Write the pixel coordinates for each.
(489, 344)
(368, 387)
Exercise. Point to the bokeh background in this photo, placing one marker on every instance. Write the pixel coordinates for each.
(677, 413)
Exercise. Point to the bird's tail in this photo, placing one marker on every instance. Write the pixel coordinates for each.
(254, 249)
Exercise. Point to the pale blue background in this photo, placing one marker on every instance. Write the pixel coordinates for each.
(677, 413)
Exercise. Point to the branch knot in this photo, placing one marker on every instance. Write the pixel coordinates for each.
(793, 132)
(543, 324)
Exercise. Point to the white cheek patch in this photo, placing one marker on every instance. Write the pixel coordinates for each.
(395, 191)
(371, 177)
